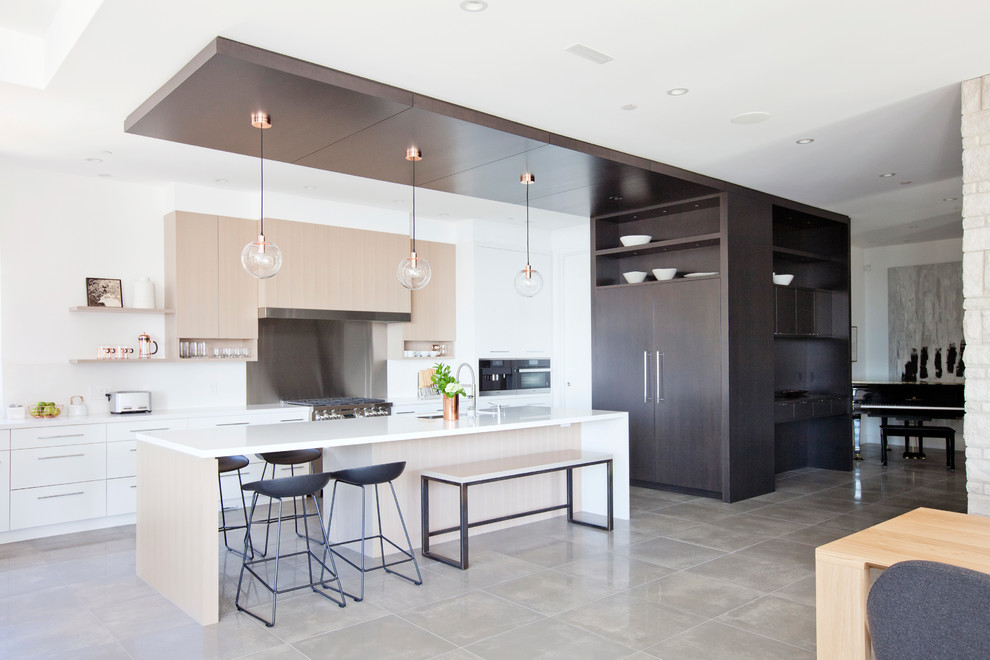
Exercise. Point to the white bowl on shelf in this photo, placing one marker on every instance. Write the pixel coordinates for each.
(634, 276)
(664, 273)
(635, 239)
(783, 279)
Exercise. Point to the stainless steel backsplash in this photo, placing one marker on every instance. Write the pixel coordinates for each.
(304, 358)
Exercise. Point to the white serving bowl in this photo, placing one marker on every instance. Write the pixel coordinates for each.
(783, 280)
(634, 276)
(635, 239)
(664, 273)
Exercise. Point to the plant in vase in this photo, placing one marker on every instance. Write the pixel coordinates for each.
(448, 387)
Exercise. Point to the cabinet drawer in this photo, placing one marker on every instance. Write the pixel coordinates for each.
(4, 491)
(121, 459)
(33, 507)
(55, 436)
(4, 440)
(129, 430)
(226, 420)
(302, 415)
(30, 468)
(121, 496)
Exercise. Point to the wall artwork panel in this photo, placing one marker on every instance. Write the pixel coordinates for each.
(925, 331)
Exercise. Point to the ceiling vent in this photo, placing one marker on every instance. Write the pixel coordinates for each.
(587, 53)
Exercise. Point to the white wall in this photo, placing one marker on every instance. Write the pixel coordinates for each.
(57, 230)
(869, 281)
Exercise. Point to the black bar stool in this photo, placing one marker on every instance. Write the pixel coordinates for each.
(292, 459)
(227, 464)
(303, 486)
(373, 475)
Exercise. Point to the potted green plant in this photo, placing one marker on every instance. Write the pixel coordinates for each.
(448, 387)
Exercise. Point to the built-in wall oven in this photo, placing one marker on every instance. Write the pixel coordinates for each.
(508, 376)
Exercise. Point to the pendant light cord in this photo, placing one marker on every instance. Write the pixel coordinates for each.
(262, 131)
(414, 206)
(527, 225)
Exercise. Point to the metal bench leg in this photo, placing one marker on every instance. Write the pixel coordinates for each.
(464, 526)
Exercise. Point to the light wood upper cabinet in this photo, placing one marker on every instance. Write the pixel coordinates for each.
(238, 291)
(433, 307)
(335, 268)
(212, 295)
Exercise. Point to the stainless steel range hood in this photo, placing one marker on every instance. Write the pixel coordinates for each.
(332, 315)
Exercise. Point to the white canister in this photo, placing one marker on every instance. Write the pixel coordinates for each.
(144, 294)
(15, 411)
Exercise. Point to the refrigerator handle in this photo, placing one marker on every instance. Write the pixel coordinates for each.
(659, 376)
(646, 376)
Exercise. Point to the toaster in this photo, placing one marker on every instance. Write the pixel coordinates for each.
(135, 401)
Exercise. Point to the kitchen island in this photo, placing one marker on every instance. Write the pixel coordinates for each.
(177, 495)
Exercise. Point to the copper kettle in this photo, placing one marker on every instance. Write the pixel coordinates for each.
(144, 346)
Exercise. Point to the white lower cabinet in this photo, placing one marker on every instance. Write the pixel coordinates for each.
(121, 496)
(50, 466)
(4, 488)
(49, 505)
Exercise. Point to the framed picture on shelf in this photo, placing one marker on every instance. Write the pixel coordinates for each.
(101, 292)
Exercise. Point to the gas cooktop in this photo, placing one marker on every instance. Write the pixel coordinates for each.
(344, 407)
(334, 401)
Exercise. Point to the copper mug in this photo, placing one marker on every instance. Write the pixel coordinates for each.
(106, 352)
(125, 352)
(144, 346)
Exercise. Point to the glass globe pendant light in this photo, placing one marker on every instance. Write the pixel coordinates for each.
(528, 281)
(414, 271)
(261, 259)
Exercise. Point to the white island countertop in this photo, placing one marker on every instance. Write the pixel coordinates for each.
(228, 441)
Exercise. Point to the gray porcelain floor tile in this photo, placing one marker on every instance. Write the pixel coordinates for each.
(549, 639)
(755, 524)
(716, 641)
(396, 594)
(718, 538)
(38, 605)
(631, 621)
(615, 571)
(793, 511)
(140, 616)
(53, 637)
(784, 620)
(754, 572)
(486, 568)
(815, 535)
(550, 592)
(802, 591)
(388, 637)
(670, 553)
(653, 524)
(282, 652)
(310, 615)
(786, 554)
(698, 512)
(459, 654)
(470, 618)
(697, 594)
(111, 590)
(112, 651)
(236, 635)
(554, 553)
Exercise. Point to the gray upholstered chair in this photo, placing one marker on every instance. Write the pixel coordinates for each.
(926, 610)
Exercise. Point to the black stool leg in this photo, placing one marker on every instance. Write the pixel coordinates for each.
(412, 554)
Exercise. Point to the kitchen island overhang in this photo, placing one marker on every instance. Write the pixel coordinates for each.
(177, 540)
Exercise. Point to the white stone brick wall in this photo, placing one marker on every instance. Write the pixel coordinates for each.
(975, 128)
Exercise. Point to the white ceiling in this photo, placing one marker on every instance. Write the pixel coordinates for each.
(875, 84)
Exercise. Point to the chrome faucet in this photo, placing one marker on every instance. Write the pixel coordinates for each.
(473, 406)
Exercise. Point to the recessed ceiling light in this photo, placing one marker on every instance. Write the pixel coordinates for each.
(805, 141)
(398, 201)
(904, 183)
(474, 5)
(913, 226)
(589, 53)
(949, 199)
(678, 91)
(309, 187)
(888, 175)
(221, 181)
(629, 106)
(444, 215)
(106, 153)
(750, 118)
(104, 176)
(94, 160)
(615, 198)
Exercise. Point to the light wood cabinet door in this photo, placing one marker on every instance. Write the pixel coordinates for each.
(191, 273)
(237, 291)
(335, 268)
(433, 307)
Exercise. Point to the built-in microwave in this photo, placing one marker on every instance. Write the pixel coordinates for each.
(506, 376)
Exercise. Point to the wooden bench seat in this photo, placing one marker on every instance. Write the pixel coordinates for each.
(482, 472)
(920, 432)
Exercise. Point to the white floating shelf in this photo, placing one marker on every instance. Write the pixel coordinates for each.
(120, 310)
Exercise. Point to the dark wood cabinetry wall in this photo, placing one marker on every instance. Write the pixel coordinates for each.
(697, 360)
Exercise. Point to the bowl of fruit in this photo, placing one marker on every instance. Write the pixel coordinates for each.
(45, 410)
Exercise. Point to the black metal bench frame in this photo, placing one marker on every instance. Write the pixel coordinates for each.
(920, 432)
(533, 470)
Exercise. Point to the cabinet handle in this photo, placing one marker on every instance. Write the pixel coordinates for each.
(133, 486)
(48, 458)
(53, 437)
(500, 351)
(234, 424)
(646, 376)
(135, 449)
(48, 497)
(659, 377)
(282, 420)
(160, 428)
